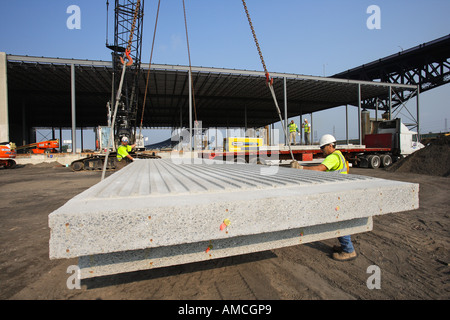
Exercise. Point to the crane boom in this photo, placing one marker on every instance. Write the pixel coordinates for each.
(128, 27)
(123, 105)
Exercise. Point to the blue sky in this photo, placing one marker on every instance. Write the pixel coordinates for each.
(320, 37)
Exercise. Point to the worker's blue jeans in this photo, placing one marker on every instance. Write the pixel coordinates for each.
(346, 244)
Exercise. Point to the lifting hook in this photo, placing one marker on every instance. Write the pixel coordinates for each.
(130, 60)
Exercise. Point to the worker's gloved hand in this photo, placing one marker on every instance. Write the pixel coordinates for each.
(296, 165)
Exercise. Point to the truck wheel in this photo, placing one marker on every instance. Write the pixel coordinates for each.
(386, 160)
(374, 161)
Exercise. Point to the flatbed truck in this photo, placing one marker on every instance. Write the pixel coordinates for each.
(391, 141)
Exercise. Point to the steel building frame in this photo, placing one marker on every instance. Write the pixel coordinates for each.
(225, 97)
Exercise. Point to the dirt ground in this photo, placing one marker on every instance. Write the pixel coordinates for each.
(410, 248)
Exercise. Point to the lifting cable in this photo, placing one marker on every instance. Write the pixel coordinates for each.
(190, 67)
(148, 71)
(269, 81)
(151, 55)
(119, 91)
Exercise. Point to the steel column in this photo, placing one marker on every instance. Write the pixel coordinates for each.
(418, 121)
(74, 125)
(301, 122)
(190, 111)
(346, 123)
(285, 111)
(390, 102)
(359, 114)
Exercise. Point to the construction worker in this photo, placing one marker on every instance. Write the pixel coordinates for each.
(292, 131)
(335, 161)
(307, 129)
(124, 148)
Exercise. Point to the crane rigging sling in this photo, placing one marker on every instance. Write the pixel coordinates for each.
(269, 81)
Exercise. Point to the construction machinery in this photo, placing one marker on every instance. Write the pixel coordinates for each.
(7, 155)
(123, 106)
(127, 45)
(48, 146)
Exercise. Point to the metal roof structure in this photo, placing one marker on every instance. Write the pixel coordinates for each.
(39, 93)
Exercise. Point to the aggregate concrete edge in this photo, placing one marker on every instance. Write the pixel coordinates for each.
(151, 258)
(87, 226)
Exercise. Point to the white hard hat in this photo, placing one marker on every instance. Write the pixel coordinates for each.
(124, 139)
(326, 139)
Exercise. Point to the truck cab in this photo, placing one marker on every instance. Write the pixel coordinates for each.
(404, 141)
(390, 141)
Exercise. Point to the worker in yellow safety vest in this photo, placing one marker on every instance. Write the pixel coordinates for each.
(124, 149)
(292, 131)
(335, 161)
(307, 129)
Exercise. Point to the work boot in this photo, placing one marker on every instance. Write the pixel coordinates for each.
(344, 256)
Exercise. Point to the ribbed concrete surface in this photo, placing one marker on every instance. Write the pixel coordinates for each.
(164, 177)
(157, 203)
